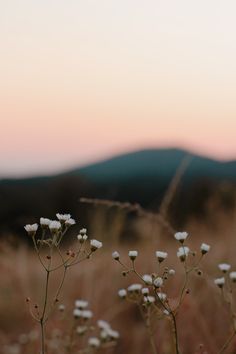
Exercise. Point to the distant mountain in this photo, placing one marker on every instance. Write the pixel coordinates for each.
(160, 163)
(138, 177)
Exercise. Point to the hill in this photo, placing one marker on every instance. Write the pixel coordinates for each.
(139, 177)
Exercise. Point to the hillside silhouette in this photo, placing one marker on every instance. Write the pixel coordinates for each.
(139, 177)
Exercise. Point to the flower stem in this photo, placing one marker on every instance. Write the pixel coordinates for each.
(176, 340)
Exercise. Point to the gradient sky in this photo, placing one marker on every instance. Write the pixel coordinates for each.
(83, 80)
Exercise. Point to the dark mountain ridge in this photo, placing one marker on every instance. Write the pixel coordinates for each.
(138, 177)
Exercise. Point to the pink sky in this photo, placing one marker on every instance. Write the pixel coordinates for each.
(81, 81)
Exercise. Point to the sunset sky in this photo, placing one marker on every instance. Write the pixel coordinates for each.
(81, 80)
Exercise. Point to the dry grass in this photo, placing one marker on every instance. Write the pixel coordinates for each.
(203, 319)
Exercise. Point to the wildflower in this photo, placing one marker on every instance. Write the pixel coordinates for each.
(149, 299)
(232, 276)
(54, 226)
(183, 253)
(205, 248)
(122, 293)
(81, 304)
(86, 314)
(83, 231)
(95, 244)
(70, 222)
(181, 236)
(147, 279)
(158, 282)
(94, 342)
(107, 333)
(61, 308)
(162, 296)
(103, 324)
(82, 238)
(81, 330)
(44, 222)
(166, 312)
(31, 229)
(220, 282)
(63, 217)
(134, 288)
(224, 267)
(161, 256)
(133, 255)
(116, 255)
(171, 271)
(77, 313)
(113, 334)
(145, 291)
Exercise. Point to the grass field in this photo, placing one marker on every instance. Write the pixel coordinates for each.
(204, 320)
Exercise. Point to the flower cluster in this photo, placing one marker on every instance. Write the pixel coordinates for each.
(47, 237)
(150, 294)
(231, 276)
(100, 336)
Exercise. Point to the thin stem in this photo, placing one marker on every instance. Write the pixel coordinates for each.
(42, 319)
(42, 338)
(150, 332)
(57, 293)
(175, 333)
(46, 296)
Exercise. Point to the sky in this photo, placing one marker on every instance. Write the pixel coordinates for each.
(84, 80)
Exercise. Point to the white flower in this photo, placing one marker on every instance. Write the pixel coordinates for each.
(158, 282)
(122, 293)
(116, 255)
(94, 342)
(54, 226)
(81, 329)
(147, 279)
(183, 253)
(166, 312)
(95, 244)
(145, 291)
(45, 221)
(81, 304)
(162, 296)
(161, 255)
(149, 299)
(205, 248)
(109, 333)
(83, 231)
(232, 276)
(70, 222)
(113, 334)
(86, 314)
(220, 282)
(181, 236)
(82, 238)
(133, 255)
(171, 271)
(63, 217)
(61, 307)
(77, 313)
(103, 324)
(31, 229)
(224, 267)
(134, 288)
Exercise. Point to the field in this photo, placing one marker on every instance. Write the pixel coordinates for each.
(205, 320)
